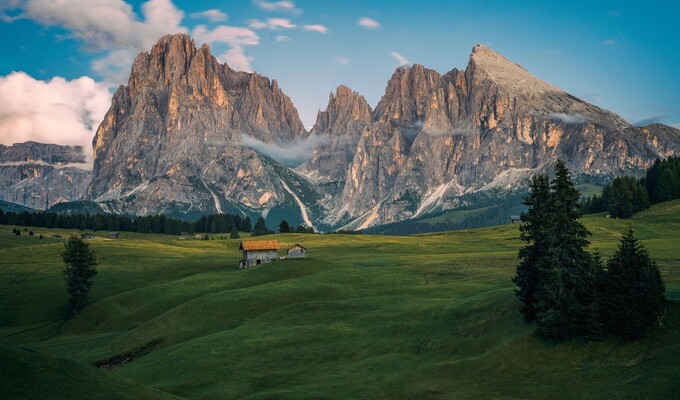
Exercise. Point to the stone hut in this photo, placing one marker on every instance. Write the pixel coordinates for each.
(257, 252)
(516, 219)
(296, 251)
(112, 235)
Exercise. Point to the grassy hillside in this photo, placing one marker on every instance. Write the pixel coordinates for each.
(431, 316)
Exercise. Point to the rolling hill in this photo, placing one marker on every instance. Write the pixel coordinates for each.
(424, 316)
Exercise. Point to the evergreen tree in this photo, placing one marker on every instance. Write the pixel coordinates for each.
(80, 268)
(260, 227)
(284, 227)
(634, 291)
(247, 225)
(533, 232)
(565, 291)
(234, 233)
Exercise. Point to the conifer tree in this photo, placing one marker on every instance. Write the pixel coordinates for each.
(634, 293)
(284, 227)
(260, 227)
(234, 233)
(80, 268)
(533, 232)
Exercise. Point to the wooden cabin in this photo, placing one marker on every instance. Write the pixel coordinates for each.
(87, 236)
(296, 251)
(257, 252)
(516, 219)
(112, 235)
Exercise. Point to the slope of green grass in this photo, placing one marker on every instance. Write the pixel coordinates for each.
(428, 316)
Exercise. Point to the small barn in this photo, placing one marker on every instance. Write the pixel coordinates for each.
(112, 235)
(257, 252)
(296, 251)
(87, 236)
(516, 219)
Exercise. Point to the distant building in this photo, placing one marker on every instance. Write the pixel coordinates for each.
(198, 237)
(183, 235)
(257, 252)
(87, 236)
(516, 219)
(296, 251)
(56, 235)
(112, 235)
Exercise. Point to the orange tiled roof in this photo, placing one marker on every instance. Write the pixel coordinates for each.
(259, 245)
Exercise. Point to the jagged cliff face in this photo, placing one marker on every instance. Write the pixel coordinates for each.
(339, 128)
(435, 137)
(171, 141)
(38, 175)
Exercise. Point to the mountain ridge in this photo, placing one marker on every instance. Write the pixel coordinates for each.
(173, 141)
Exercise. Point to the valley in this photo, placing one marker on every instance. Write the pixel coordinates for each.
(424, 316)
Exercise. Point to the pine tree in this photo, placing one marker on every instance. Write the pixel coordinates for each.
(260, 227)
(80, 268)
(567, 274)
(533, 232)
(284, 227)
(634, 292)
(234, 233)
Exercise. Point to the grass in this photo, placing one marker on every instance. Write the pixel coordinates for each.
(427, 316)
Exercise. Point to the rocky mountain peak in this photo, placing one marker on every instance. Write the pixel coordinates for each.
(344, 107)
(486, 64)
(407, 95)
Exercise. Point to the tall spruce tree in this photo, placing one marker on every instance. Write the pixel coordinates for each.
(533, 231)
(566, 291)
(80, 268)
(634, 291)
(260, 227)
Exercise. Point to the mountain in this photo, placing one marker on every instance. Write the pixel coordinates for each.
(174, 139)
(182, 138)
(437, 137)
(38, 175)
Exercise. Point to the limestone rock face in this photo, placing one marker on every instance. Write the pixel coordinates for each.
(38, 175)
(339, 128)
(171, 141)
(435, 137)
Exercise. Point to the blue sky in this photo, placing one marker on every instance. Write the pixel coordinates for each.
(620, 55)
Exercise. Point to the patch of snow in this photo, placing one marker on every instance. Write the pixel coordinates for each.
(507, 179)
(142, 186)
(218, 206)
(303, 209)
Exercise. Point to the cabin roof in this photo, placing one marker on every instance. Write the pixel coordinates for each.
(248, 245)
(297, 245)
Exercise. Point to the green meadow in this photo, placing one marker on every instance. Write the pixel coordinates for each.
(363, 317)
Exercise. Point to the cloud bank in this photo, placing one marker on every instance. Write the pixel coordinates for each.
(54, 111)
(568, 119)
(290, 154)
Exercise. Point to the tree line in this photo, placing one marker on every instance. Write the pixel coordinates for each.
(626, 195)
(216, 223)
(571, 292)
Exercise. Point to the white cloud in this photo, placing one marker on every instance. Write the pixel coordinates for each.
(568, 119)
(315, 28)
(400, 59)
(226, 34)
(106, 24)
(213, 15)
(609, 42)
(342, 60)
(291, 154)
(676, 125)
(286, 6)
(271, 23)
(281, 38)
(236, 59)
(54, 111)
(368, 23)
